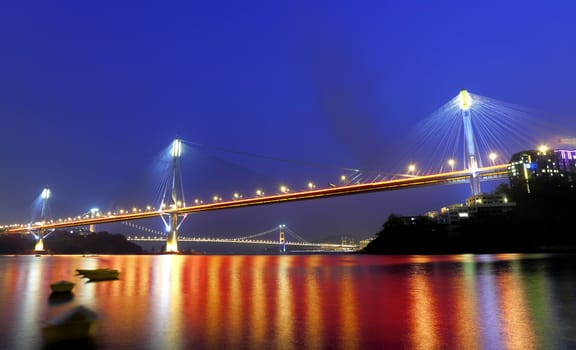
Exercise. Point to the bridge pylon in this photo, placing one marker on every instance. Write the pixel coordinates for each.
(45, 195)
(465, 103)
(281, 239)
(175, 200)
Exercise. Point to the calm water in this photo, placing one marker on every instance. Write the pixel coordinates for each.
(301, 301)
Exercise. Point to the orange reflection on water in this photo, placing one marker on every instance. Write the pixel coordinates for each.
(258, 310)
(313, 338)
(348, 312)
(516, 320)
(424, 333)
(467, 336)
(283, 322)
(213, 303)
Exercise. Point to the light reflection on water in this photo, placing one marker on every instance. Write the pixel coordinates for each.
(506, 301)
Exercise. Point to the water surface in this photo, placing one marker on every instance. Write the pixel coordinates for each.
(506, 301)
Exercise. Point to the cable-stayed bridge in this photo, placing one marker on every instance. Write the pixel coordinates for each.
(465, 115)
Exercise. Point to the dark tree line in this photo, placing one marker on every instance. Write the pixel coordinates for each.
(63, 242)
(539, 223)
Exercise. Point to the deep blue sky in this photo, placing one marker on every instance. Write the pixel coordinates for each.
(92, 92)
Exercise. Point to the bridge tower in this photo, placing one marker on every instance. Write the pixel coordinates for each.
(281, 239)
(45, 195)
(176, 199)
(465, 103)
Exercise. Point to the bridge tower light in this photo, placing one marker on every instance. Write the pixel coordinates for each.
(465, 103)
(451, 162)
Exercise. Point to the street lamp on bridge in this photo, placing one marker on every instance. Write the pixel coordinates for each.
(493, 157)
(451, 163)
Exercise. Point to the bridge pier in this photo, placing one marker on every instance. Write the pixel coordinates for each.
(39, 246)
(172, 241)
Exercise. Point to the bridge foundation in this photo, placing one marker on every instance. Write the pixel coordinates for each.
(172, 241)
(39, 246)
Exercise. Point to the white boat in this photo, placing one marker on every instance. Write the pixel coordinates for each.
(76, 323)
(62, 286)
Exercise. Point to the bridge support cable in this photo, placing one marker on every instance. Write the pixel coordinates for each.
(145, 229)
(256, 234)
(295, 235)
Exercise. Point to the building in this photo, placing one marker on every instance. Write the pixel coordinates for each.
(542, 171)
(483, 203)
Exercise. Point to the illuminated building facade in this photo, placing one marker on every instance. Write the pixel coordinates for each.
(542, 171)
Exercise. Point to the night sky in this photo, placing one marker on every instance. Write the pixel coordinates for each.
(281, 92)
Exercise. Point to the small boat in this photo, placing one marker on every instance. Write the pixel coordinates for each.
(73, 324)
(100, 274)
(62, 286)
(60, 298)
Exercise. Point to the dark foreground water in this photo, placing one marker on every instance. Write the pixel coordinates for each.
(301, 301)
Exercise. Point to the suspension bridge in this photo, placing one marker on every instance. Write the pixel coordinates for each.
(173, 208)
(285, 238)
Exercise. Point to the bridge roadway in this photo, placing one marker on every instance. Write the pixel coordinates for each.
(491, 172)
(324, 246)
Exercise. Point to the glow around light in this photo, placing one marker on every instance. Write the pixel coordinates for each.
(543, 148)
(45, 193)
(176, 148)
(493, 156)
(464, 100)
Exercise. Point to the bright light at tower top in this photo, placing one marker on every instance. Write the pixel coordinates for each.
(464, 100)
(176, 148)
(45, 193)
